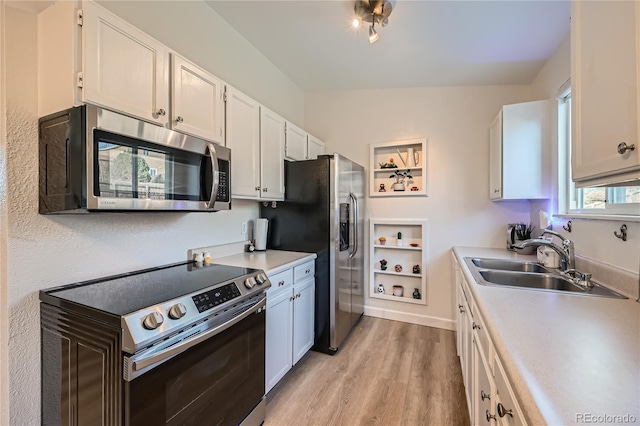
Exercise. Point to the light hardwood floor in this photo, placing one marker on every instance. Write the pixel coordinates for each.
(387, 373)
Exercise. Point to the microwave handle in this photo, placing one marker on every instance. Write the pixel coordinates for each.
(216, 175)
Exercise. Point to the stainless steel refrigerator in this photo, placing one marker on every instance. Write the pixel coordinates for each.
(323, 213)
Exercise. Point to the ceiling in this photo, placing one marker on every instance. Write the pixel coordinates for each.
(426, 43)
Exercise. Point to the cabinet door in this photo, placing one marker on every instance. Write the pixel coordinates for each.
(278, 338)
(467, 358)
(303, 318)
(505, 406)
(482, 388)
(271, 155)
(196, 101)
(604, 88)
(124, 69)
(243, 137)
(315, 147)
(495, 158)
(295, 147)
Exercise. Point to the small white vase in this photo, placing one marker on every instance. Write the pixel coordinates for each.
(398, 186)
(400, 242)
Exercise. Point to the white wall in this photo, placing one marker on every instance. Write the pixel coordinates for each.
(198, 33)
(456, 121)
(44, 251)
(593, 239)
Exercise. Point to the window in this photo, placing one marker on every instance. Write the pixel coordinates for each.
(598, 200)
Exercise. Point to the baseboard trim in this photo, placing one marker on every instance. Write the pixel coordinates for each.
(429, 321)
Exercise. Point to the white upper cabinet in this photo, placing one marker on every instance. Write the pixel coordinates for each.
(516, 140)
(123, 68)
(604, 91)
(272, 131)
(295, 143)
(315, 147)
(243, 138)
(197, 102)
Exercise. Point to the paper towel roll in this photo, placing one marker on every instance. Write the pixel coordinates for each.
(261, 234)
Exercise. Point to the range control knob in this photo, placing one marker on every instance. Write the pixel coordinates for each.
(261, 278)
(152, 321)
(177, 311)
(250, 282)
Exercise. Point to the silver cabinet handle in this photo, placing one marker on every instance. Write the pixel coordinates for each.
(280, 283)
(179, 119)
(503, 411)
(291, 299)
(265, 189)
(495, 191)
(623, 147)
(161, 112)
(476, 326)
(490, 417)
(484, 395)
(257, 188)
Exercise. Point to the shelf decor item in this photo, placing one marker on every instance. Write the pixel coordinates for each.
(400, 176)
(380, 289)
(398, 290)
(398, 268)
(382, 240)
(383, 265)
(416, 293)
(382, 188)
(416, 269)
(400, 242)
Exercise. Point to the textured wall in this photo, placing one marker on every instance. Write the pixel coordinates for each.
(456, 121)
(45, 251)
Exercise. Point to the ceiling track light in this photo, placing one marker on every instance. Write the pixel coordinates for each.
(375, 12)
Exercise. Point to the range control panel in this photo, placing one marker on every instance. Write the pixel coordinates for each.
(215, 297)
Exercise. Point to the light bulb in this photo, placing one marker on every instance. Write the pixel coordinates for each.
(373, 35)
(356, 22)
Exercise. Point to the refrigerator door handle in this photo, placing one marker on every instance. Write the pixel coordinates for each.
(355, 224)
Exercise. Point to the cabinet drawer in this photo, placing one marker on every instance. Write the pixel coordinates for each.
(281, 280)
(303, 271)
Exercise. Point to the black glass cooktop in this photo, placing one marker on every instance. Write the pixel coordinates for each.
(123, 294)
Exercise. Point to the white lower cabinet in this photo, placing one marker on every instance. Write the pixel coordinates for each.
(490, 399)
(290, 321)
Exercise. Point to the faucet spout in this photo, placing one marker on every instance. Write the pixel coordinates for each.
(565, 252)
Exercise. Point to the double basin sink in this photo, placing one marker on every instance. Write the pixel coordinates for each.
(530, 275)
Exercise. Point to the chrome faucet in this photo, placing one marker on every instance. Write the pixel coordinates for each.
(566, 252)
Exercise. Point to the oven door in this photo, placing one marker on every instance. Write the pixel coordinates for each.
(218, 381)
(134, 165)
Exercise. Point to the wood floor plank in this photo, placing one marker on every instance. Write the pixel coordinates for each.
(387, 373)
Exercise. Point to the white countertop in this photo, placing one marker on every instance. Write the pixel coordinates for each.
(270, 261)
(564, 354)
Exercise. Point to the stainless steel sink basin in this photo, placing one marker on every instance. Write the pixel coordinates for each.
(538, 281)
(521, 275)
(510, 265)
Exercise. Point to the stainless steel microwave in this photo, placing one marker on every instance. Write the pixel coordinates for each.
(93, 159)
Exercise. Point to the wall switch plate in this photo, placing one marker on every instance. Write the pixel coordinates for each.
(244, 227)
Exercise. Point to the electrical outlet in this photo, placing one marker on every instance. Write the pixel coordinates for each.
(244, 227)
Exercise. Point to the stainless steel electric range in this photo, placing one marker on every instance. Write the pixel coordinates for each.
(175, 345)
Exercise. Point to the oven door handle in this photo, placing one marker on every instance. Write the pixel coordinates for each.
(139, 364)
(216, 175)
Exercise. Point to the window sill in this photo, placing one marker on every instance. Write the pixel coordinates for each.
(599, 216)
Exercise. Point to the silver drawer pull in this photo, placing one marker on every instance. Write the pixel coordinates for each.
(484, 395)
(280, 283)
(503, 411)
(490, 417)
(623, 147)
